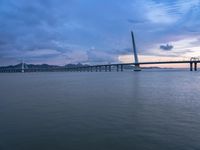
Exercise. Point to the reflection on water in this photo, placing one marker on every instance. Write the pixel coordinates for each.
(146, 110)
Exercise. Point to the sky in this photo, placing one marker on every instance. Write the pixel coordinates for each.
(98, 31)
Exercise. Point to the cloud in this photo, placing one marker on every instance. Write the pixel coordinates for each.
(97, 56)
(136, 21)
(42, 53)
(166, 47)
(64, 31)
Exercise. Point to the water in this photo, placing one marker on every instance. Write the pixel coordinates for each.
(148, 110)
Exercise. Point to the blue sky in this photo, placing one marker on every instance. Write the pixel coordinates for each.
(97, 31)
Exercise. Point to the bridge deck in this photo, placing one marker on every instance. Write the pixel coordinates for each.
(152, 63)
(107, 67)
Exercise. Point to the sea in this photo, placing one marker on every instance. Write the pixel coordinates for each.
(147, 110)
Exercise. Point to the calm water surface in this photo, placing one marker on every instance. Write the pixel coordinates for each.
(148, 110)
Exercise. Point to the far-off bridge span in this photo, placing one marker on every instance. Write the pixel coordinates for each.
(107, 67)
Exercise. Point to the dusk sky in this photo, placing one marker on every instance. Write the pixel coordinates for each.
(98, 31)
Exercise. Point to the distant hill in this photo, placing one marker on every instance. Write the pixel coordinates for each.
(41, 66)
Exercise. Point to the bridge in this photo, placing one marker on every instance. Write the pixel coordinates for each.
(106, 67)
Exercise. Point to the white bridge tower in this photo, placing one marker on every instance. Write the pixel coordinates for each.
(137, 65)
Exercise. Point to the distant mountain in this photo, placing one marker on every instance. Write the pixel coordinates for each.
(75, 65)
(41, 66)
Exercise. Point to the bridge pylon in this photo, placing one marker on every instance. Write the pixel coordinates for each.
(137, 65)
(22, 69)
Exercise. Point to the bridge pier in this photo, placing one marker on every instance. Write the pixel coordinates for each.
(122, 68)
(117, 68)
(106, 69)
(137, 67)
(195, 66)
(191, 66)
(96, 69)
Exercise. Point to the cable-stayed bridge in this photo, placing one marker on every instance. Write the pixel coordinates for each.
(106, 67)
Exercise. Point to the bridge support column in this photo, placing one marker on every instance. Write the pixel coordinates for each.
(109, 68)
(117, 68)
(195, 66)
(122, 68)
(191, 66)
(105, 68)
(99, 68)
(96, 69)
